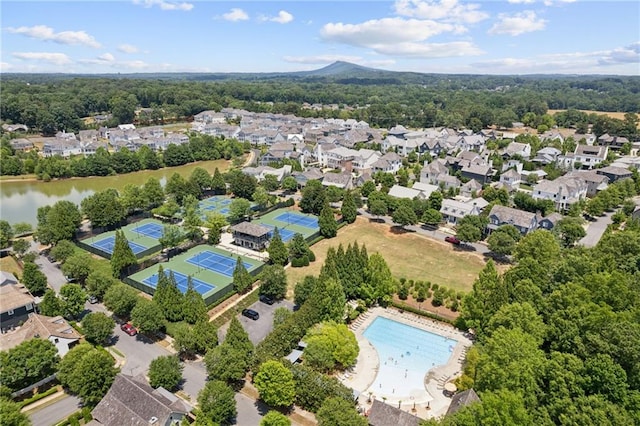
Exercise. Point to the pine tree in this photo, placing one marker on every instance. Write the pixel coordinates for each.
(242, 280)
(122, 256)
(278, 253)
(162, 283)
(218, 185)
(349, 209)
(298, 247)
(174, 301)
(193, 307)
(327, 222)
(329, 269)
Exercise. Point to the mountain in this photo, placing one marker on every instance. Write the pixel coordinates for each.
(339, 68)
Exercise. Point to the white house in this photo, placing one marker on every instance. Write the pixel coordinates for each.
(563, 191)
(590, 156)
(454, 210)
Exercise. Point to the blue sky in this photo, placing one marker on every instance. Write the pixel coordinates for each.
(432, 36)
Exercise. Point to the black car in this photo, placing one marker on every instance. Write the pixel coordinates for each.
(266, 299)
(250, 313)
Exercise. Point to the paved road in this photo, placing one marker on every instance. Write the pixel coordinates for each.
(55, 277)
(250, 412)
(56, 412)
(257, 330)
(595, 230)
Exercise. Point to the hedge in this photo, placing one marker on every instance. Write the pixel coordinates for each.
(420, 312)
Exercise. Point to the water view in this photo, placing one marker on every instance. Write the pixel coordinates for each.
(20, 200)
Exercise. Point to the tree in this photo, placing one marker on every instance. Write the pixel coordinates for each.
(166, 372)
(239, 209)
(261, 197)
(11, 415)
(6, 234)
(330, 345)
(87, 372)
(218, 185)
(147, 316)
(313, 197)
(122, 257)
(349, 210)
(98, 282)
(231, 360)
(28, 362)
(431, 217)
(121, 299)
(275, 418)
(304, 288)
(243, 185)
(274, 282)
(63, 250)
(327, 222)
(487, 297)
(201, 178)
(171, 237)
(73, 298)
(468, 233)
(97, 327)
(404, 215)
(290, 184)
(152, 193)
(217, 402)
(378, 207)
(500, 407)
(33, 278)
(242, 279)
(193, 307)
(104, 209)
(501, 243)
(132, 198)
(78, 266)
(539, 245)
(298, 248)
(275, 384)
(20, 246)
(58, 222)
(569, 230)
(379, 285)
(338, 412)
(196, 339)
(176, 187)
(168, 297)
(215, 222)
(51, 306)
(192, 221)
(367, 188)
(278, 253)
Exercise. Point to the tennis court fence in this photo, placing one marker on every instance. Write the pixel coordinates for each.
(95, 250)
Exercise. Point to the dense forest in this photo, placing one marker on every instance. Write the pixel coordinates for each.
(49, 103)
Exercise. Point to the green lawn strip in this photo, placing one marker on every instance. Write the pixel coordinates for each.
(251, 298)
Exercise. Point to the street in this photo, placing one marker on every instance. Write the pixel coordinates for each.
(55, 277)
(595, 230)
(56, 412)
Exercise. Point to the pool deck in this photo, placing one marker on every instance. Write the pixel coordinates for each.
(428, 403)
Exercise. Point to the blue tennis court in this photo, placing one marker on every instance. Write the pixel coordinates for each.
(152, 230)
(181, 281)
(216, 262)
(208, 207)
(107, 245)
(224, 211)
(285, 234)
(296, 219)
(216, 198)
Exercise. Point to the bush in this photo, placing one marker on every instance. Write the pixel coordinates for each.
(311, 255)
(416, 311)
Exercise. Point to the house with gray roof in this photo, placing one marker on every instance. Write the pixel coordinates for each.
(590, 156)
(261, 172)
(310, 174)
(563, 191)
(399, 191)
(525, 222)
(547, 155)
(277, 152)
(470, 188)
(462, 399)
(481, 173)
(516, 148)
(132, 402)
(614, 173)
(549, 222)
(432, 172)
(454, 210)
(250, 235)
(388, 163)
(55, 329)
(511, 179)
(339, 180)
(21, 144)
(16, 303)
(613, 142)
(382, 414)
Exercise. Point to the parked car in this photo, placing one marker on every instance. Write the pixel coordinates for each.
(451, 239)
(129, 329)
(93, 300)
(266, 299)
(250, 313)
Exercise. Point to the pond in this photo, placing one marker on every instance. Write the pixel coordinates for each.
(20, 200)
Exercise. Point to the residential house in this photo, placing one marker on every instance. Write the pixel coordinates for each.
(517, 149)
(547, 155)
(587, 139)
(471, 189)
(388, 163)
(62, 147)
(462, 399)
(262, 171)
(399, 191)
(549, 222)
(277, 152)
(66, 136)
(475, 143)
(54, 329)
(425, 188)
(432, 172)
(454, 210)
(131, 401)
(613, 142)
(590, 156)
(251, 235)
(339, 180)
(21, 144)
(563, 191)
(210, 117)
(126, 127)
(11, 128)
(614, 173)
(481, 173)
(16, 303)
(88, 136)
(595, 182)
(310, 174)
(525, 222)
(511, 179)
(151, 132)
(382, 414)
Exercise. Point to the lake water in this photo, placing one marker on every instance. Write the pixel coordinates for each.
(20, 200)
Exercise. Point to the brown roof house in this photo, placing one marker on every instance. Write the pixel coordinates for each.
(16, 303)
(382, 414)
(132, 402)
(55, 329)
(251, 235)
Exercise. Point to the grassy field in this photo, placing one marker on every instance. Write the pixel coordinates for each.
(408, 255)
(9, 264)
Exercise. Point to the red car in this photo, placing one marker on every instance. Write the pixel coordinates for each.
(452, 240)
(129, 329)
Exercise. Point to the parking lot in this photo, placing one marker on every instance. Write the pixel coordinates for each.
(258, 329)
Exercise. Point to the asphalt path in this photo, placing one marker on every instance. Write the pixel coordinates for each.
(596, 229)
(55, 277)
(51, 414)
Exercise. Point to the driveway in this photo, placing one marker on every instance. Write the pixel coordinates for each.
(51, 414)
(55, 277)
(258, 330)
(595, 230)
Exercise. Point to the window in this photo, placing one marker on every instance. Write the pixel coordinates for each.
(10, 312)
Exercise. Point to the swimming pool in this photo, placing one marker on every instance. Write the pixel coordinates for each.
(406, 353)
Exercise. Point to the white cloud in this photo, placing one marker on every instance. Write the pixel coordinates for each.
(283, 17)
(235, 15)
(43, 32)
(127, 48)
(429, 50)
(51, 58)
(5, 67)
(445, 10)
(321, 59)
(519, 23)
(106, 57)
(521, 1)
(165, 5)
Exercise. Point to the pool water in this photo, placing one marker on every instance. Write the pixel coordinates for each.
(406, 353)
